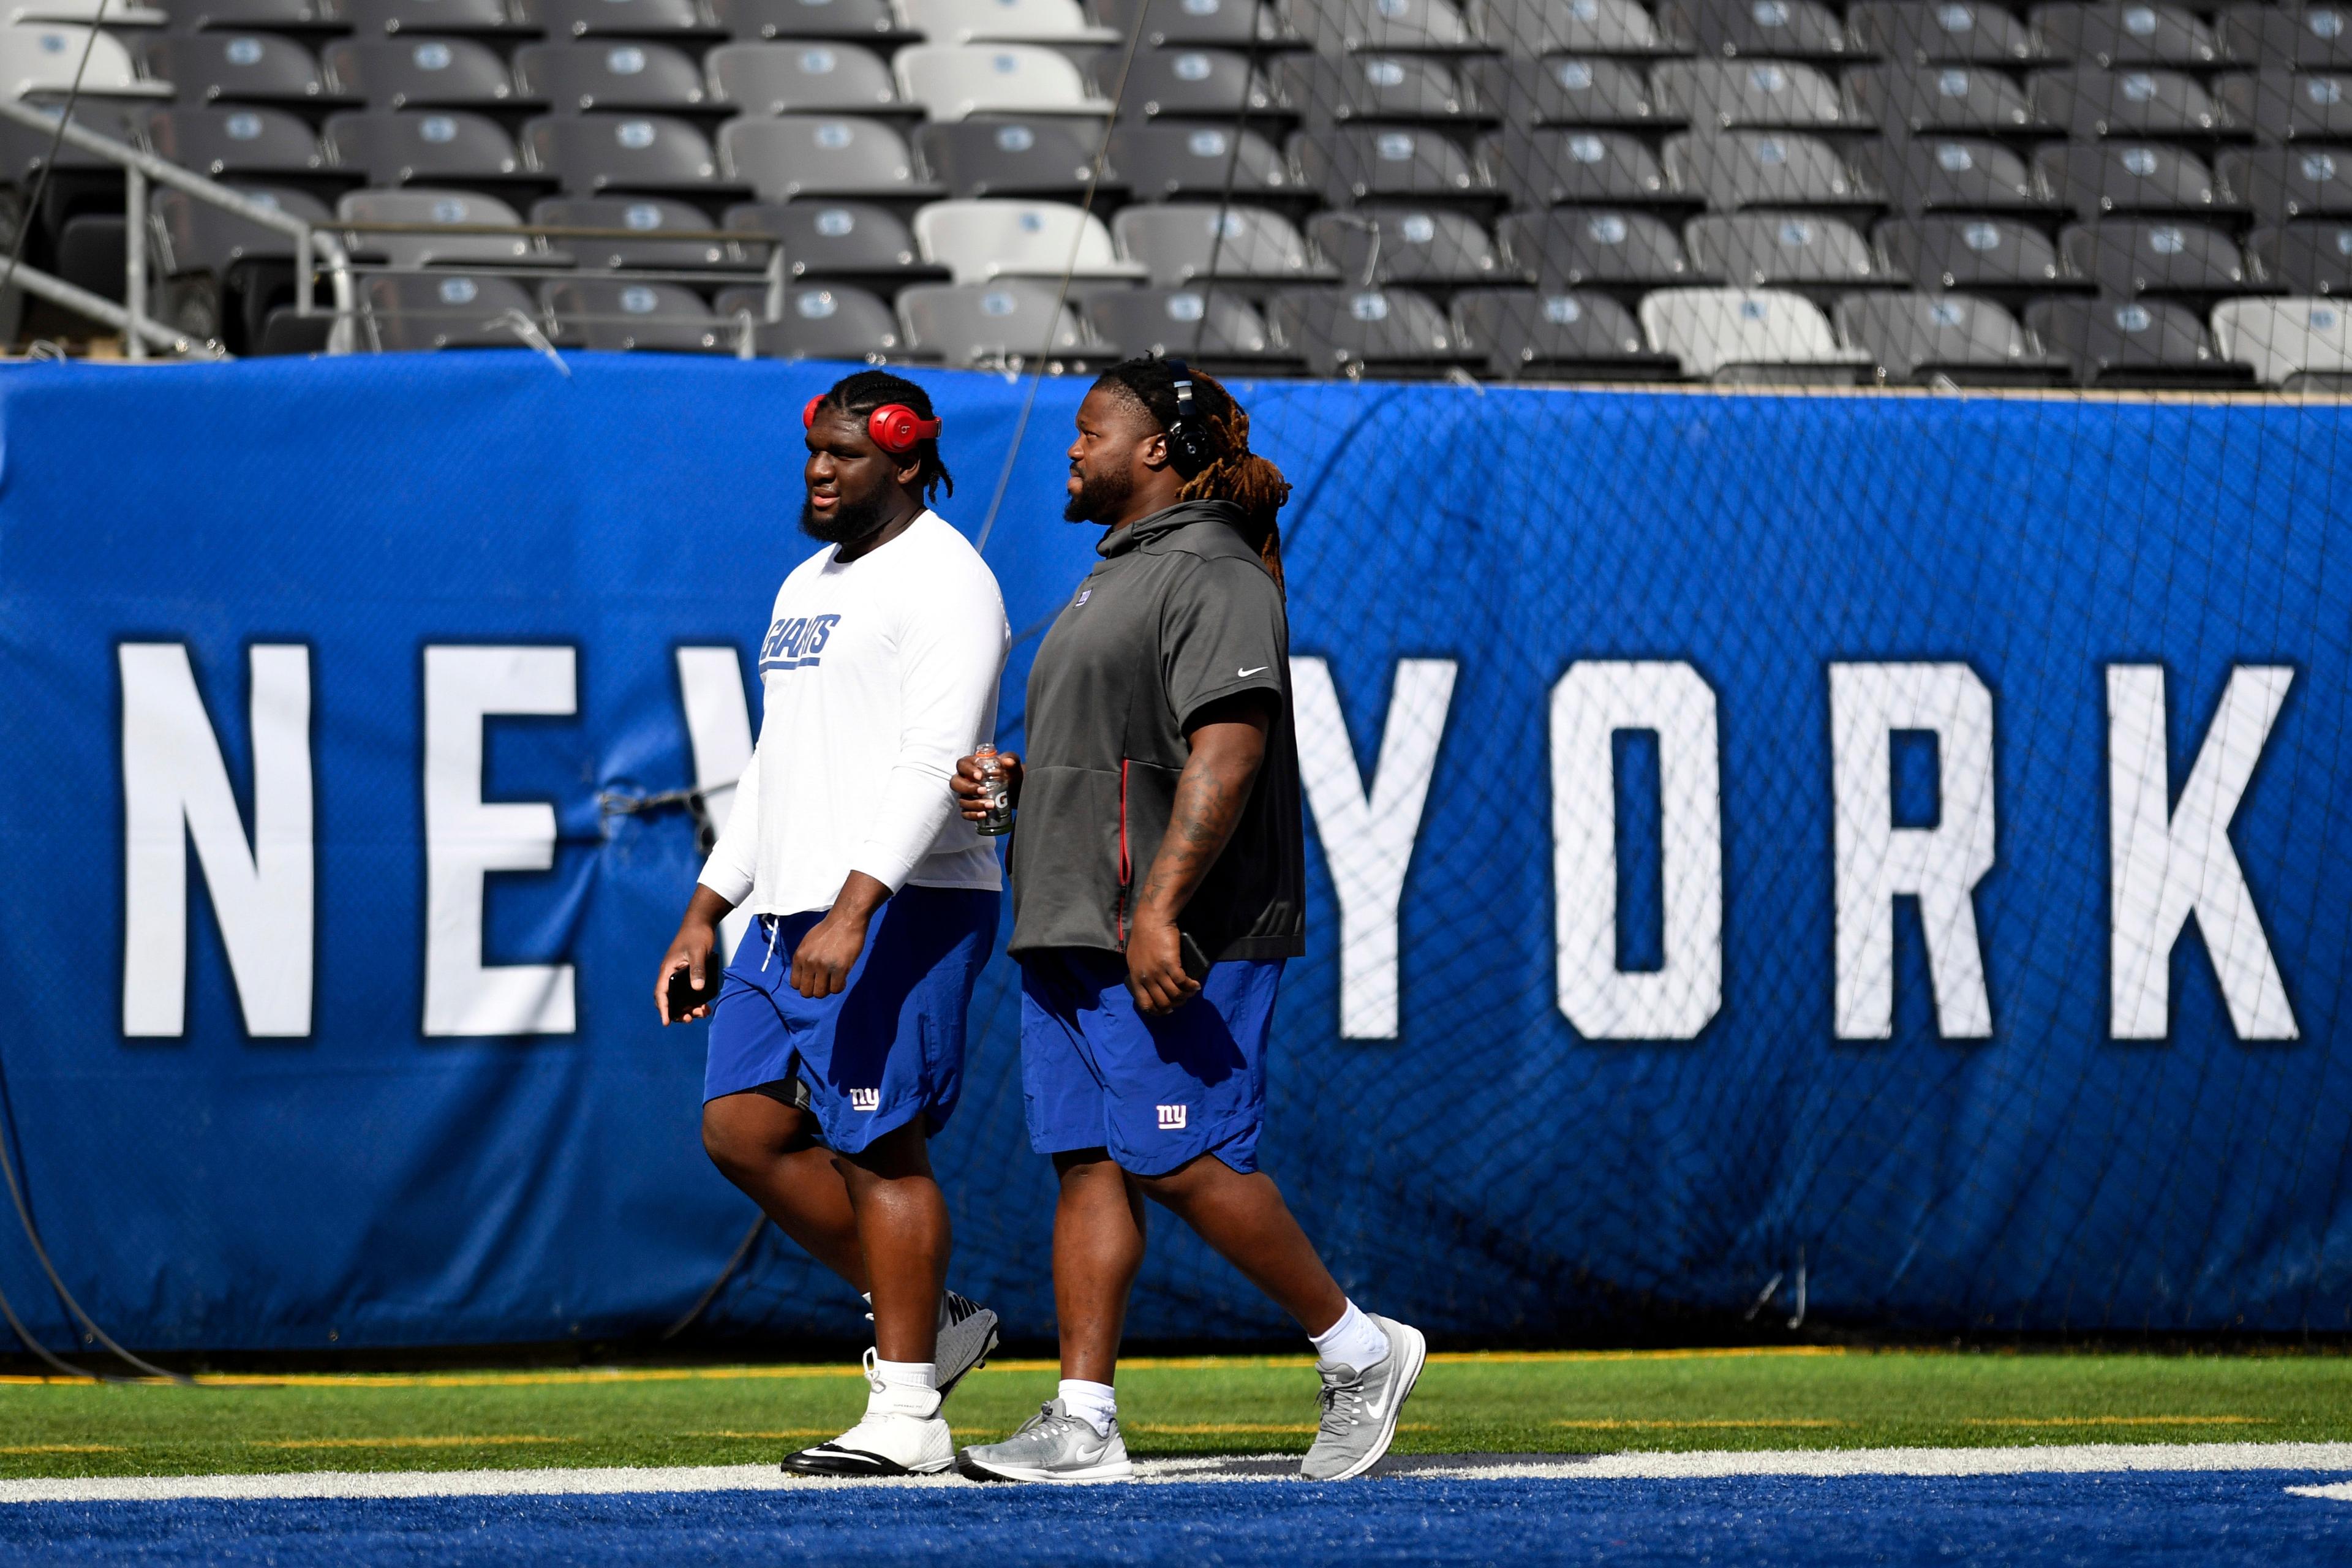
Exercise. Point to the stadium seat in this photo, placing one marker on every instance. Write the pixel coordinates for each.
(648, 216)
(1056, 22)
(369, 18)
(217, 142)
(208, 15)
(444, 146)
(1369, 87)
(978, 241)
(1979, 253)
(951, 82)
(2277, 106)
(1757, 250)
(1374, 247)
(837, 240)
(1358, 163)
(2315, 37)
(609, 74)
(1942, 32)
(2136, 256)
(1167, 161)
(43, 58)
(1729, 170)
(807, 154)
(592, 153)
(2301, 345)
(1760, 336)
(243, 67)
(2129, 33)
(1012, 323)
(1532, 29)
(1949, 174)
(404, 311)
(1365, 26)
(419, 73)
(1523, 334)
(827, 321)
(2132, 342)
(1947, 97)
(1207, 83)
(1561, 92)
(2087, 102)
(1002, 155)
(561, 19)
(2096, 179)
(1748, 29)
(861, 21)
(1185, 242)
(1921, 339)
(196, 237)
(616, 313)
(1555, 168)
(1366, 332)
(1572, 247)
(1225, 24)
(416, 205)
(1735, 93)
(1217, 329)
(2313, 257)
(2282, 183)
(800, 78)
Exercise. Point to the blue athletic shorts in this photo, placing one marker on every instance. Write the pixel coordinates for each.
(876, 1055)
(1156, 1092)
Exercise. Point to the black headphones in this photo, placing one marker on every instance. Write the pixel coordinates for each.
(1188, 444)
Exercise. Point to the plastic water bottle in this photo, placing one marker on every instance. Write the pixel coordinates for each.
(995, 792)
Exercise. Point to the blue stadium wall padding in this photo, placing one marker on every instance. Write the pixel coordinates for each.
(1488, 1171)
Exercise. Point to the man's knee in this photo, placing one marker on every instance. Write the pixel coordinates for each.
(898, 1154)
(749, 1131)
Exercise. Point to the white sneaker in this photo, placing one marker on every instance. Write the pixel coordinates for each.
(901, 1435)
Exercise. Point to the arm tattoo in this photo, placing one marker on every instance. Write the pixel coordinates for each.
(1210, 795)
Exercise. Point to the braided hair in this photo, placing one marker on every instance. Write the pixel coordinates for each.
(1233, 473)
(860, 395)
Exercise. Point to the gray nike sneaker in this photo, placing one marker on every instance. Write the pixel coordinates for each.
(1051, 1445)
(1360, 1408)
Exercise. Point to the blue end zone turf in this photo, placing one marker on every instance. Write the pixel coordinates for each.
(2200, 1520)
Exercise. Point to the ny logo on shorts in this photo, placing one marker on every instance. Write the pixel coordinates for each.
(1171, 1119)
(871, 1099)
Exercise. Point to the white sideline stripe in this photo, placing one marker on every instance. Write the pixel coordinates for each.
(2071, 1460)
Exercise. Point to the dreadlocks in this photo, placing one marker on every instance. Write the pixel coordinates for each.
(860, 395)
(1233, 472)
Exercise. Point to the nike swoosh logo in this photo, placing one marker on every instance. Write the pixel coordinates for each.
(1261, 670)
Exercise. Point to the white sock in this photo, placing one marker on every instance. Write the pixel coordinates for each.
(1354, 1341)
(1096, 1404)
(900, 1378)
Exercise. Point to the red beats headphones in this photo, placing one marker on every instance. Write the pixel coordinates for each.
(895, 428)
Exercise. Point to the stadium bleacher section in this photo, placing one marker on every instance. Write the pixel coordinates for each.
(1896, 191)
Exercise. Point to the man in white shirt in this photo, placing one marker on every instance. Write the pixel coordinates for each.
(837, 1038)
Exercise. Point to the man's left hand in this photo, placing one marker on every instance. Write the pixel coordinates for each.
(822, 962)
(1155, 969)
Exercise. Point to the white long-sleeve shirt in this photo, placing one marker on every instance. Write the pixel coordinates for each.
(875, 677)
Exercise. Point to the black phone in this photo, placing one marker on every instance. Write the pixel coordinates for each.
(1195, 962)
(684, 998)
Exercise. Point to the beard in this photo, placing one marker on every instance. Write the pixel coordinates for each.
(848, 522)
(1099, 497)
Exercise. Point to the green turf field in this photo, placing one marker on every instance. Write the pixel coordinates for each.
(1568, 1403)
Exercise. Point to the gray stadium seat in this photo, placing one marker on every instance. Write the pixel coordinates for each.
(1978, 253)
(2132, 342)
(1748, 336)
(1732, 170)
(1748, 29)
(1165, 161)
(1358, 163)
(1202, 82)
(2282, 183)
(2314, 257)
(2135, 101)
(1760, 250)
(1941, 32)
(609, 73)
(1748, 92)
(1921, 339)
(1218, 329)
(1374, 247)
(219, 141)
(2136, 256)
(1572, 247)
(397, 147)
(1563, 91)
(1525, 333)
(1946, 97)
(2315, 37)
(406, 310)
(863, 21)
(197, 236)
(827, 321)
(1948, 174)
(2301, 345)
(613, 313)
(951, 81)
(805, 76)
(627, 18)
(832, 239)
(1010, 322)
(2279, 106)
(2096, 179)
(593, 153)
(790, 155)
(419, 73)
(206, 15)
(980, 240)
(647, 215)
(1057, 23)
(1362, 27)
(453, 209)
(243, 67)
(1185, 242)
(1366, 332)
(1215, 23)
(369, 18)
(991, 155)
(1555, 168)
(1534, 29)
(2132, 33)
(1369, 87)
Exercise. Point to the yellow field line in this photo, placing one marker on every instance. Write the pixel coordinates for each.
(1614, 1426)
(2117, 1421)
(497, 1440)
(62, 1448)
(788, 1432)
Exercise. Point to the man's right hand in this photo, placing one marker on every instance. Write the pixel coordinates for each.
(967, 785)
(690, 950)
